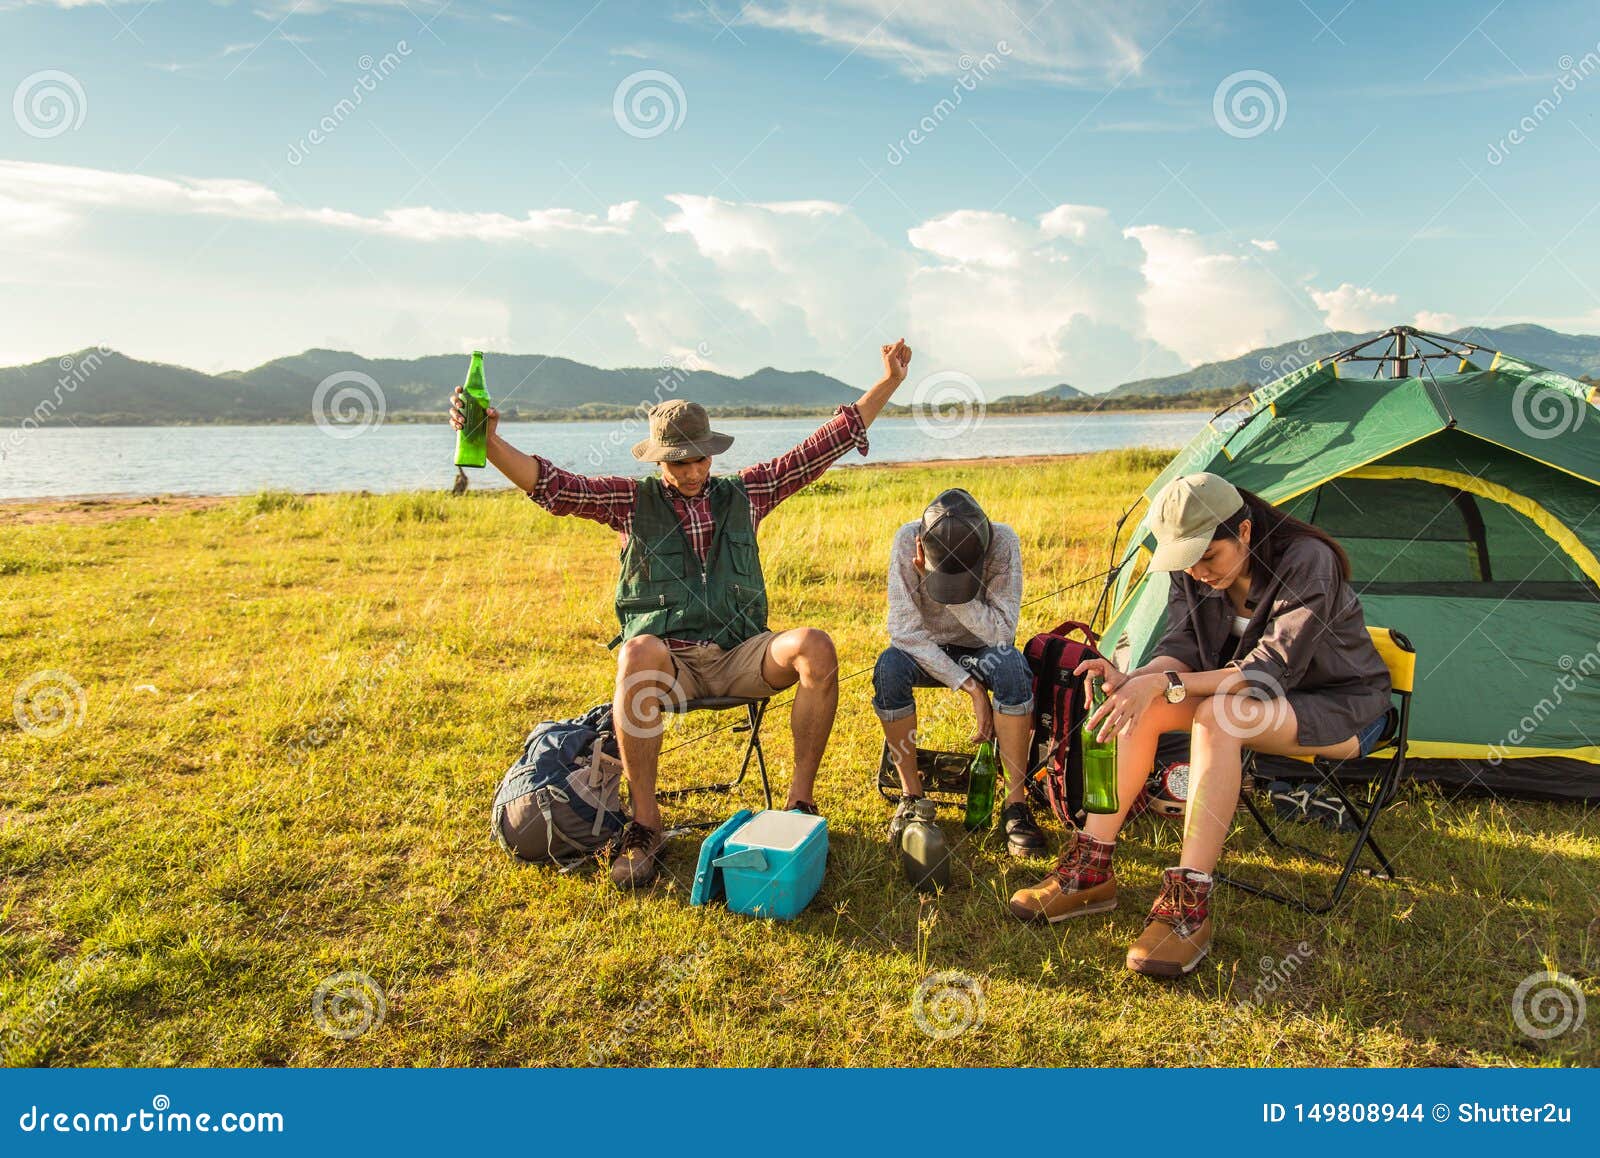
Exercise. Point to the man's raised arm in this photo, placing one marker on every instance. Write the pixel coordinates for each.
(769, 483)
(896, 360)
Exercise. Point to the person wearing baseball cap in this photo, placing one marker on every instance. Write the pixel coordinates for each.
(955, 593)
(1265, 648)
(691, 598)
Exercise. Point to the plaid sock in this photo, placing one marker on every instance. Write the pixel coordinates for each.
(1185, 899)
(1087, 862)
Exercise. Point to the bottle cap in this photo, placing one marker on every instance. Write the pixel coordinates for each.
(924, 809)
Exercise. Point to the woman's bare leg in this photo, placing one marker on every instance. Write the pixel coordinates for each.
(1223, 727)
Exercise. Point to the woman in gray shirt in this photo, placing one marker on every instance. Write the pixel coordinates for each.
(1265, 648)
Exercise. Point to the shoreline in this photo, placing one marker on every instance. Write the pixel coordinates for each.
(95, 508)
(735, 413)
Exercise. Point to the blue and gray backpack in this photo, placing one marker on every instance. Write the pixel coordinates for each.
(561, 802)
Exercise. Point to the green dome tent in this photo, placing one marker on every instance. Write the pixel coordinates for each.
(1469, 504)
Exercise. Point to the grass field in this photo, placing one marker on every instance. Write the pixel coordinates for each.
(294, 713)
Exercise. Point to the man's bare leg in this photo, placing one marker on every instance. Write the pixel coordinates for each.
(644, 673)
(901, 736)
(805, 656)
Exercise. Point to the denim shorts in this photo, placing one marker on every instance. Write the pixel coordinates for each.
(1367, 739)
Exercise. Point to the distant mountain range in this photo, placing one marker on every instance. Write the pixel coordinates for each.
(90, 386)
(1051, 393)
(1577, 355)
(108, 388)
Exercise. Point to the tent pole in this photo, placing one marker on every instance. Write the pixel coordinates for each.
(1402, 363)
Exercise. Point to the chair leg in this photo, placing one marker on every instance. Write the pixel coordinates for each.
(755, 713)
(758, 712)
(1363, 841)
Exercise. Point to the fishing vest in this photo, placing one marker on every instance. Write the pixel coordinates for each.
(664, 589)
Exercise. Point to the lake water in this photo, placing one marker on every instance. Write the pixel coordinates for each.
(229, 460)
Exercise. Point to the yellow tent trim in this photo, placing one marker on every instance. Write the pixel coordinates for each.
(1495, 364)
(1443, 750)
(1281, 499)
(1546, 522)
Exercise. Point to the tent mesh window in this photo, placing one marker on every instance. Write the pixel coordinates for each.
(1411, 537)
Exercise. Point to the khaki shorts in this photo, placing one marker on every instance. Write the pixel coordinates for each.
(707, 670)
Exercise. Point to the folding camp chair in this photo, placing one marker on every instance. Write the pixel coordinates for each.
(755, 712)
(1401, 659)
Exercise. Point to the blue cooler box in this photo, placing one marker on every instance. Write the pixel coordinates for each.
(770, 865)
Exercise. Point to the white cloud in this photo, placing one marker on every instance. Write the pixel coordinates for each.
(60, 195)
(1067, 295)
(975, 237)
(1353, 307)
(1208, 303)
(1267, 246)
(1436, 323)
(1067, 40)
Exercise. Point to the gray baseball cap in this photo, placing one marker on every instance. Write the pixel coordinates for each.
(955, 538)
(1185, 516)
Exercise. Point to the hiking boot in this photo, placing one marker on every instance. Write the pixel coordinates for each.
(638, 859)
(1177, 934)
(1023, 837)
(1081, 883)
(902, 817)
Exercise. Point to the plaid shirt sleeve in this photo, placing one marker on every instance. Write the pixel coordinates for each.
(607, 499)
(769, 483)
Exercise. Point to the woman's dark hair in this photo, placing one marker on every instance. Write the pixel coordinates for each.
(1271, 532)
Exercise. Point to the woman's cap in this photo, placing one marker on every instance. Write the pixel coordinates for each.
(1185, 516)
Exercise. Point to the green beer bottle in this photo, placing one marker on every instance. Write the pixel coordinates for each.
(1099, 761)
(472, 440)
(980, 787)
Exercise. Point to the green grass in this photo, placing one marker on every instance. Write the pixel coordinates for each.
(297, 710)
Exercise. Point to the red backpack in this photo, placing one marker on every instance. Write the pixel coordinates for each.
(1058, 711)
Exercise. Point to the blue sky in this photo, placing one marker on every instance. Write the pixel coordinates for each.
(1093, 209)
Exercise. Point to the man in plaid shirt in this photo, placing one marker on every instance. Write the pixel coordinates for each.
(692, 601)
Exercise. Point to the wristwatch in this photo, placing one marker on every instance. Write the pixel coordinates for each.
(1175, 691)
